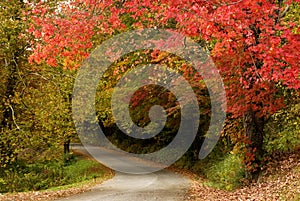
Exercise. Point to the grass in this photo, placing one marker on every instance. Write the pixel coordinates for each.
(224, 172)
(53, 175)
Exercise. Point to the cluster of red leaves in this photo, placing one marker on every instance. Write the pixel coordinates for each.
(254, 48)
(63, 32)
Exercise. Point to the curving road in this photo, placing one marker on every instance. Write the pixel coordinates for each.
(163, 185)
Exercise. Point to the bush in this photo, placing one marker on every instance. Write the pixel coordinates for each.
(44, 175)
(69, 158)
(283, 130)
(226, 174)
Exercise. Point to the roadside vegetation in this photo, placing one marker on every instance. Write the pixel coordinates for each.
(43, 175)
(53, 179)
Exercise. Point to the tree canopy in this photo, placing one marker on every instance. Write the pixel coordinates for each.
(253, 43)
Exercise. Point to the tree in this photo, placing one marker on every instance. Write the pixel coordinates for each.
(13, 52)
(35, 111)
(256, 52)
(252, 44)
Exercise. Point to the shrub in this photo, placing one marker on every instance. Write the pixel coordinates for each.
(283, 130)
(47, 174)
(226, 174)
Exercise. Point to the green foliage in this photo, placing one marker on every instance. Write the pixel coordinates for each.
(223, 168)
(12, 58)
(293, 15)
(283, 130)
(227, 173)
(185, 162)
(42, 111)
(35, 101)
(43, 175)
(69, 158)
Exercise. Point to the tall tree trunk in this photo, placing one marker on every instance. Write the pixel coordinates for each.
(254, 130)
(67, 139)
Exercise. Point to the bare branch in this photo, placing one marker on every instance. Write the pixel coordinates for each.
(13, 117)
(283, 13)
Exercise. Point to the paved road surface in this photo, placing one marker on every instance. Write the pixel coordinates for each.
(159, 186)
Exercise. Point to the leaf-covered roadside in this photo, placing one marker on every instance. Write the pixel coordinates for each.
(280, 180)
(44, 195)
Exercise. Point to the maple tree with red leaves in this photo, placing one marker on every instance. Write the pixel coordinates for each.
(251, 43)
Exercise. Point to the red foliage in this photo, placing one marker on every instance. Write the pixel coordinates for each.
(254, 49)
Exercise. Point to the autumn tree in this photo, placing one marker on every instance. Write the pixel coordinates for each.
(35, 116)
(13, 52)
(256, 52)
(251, 42)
